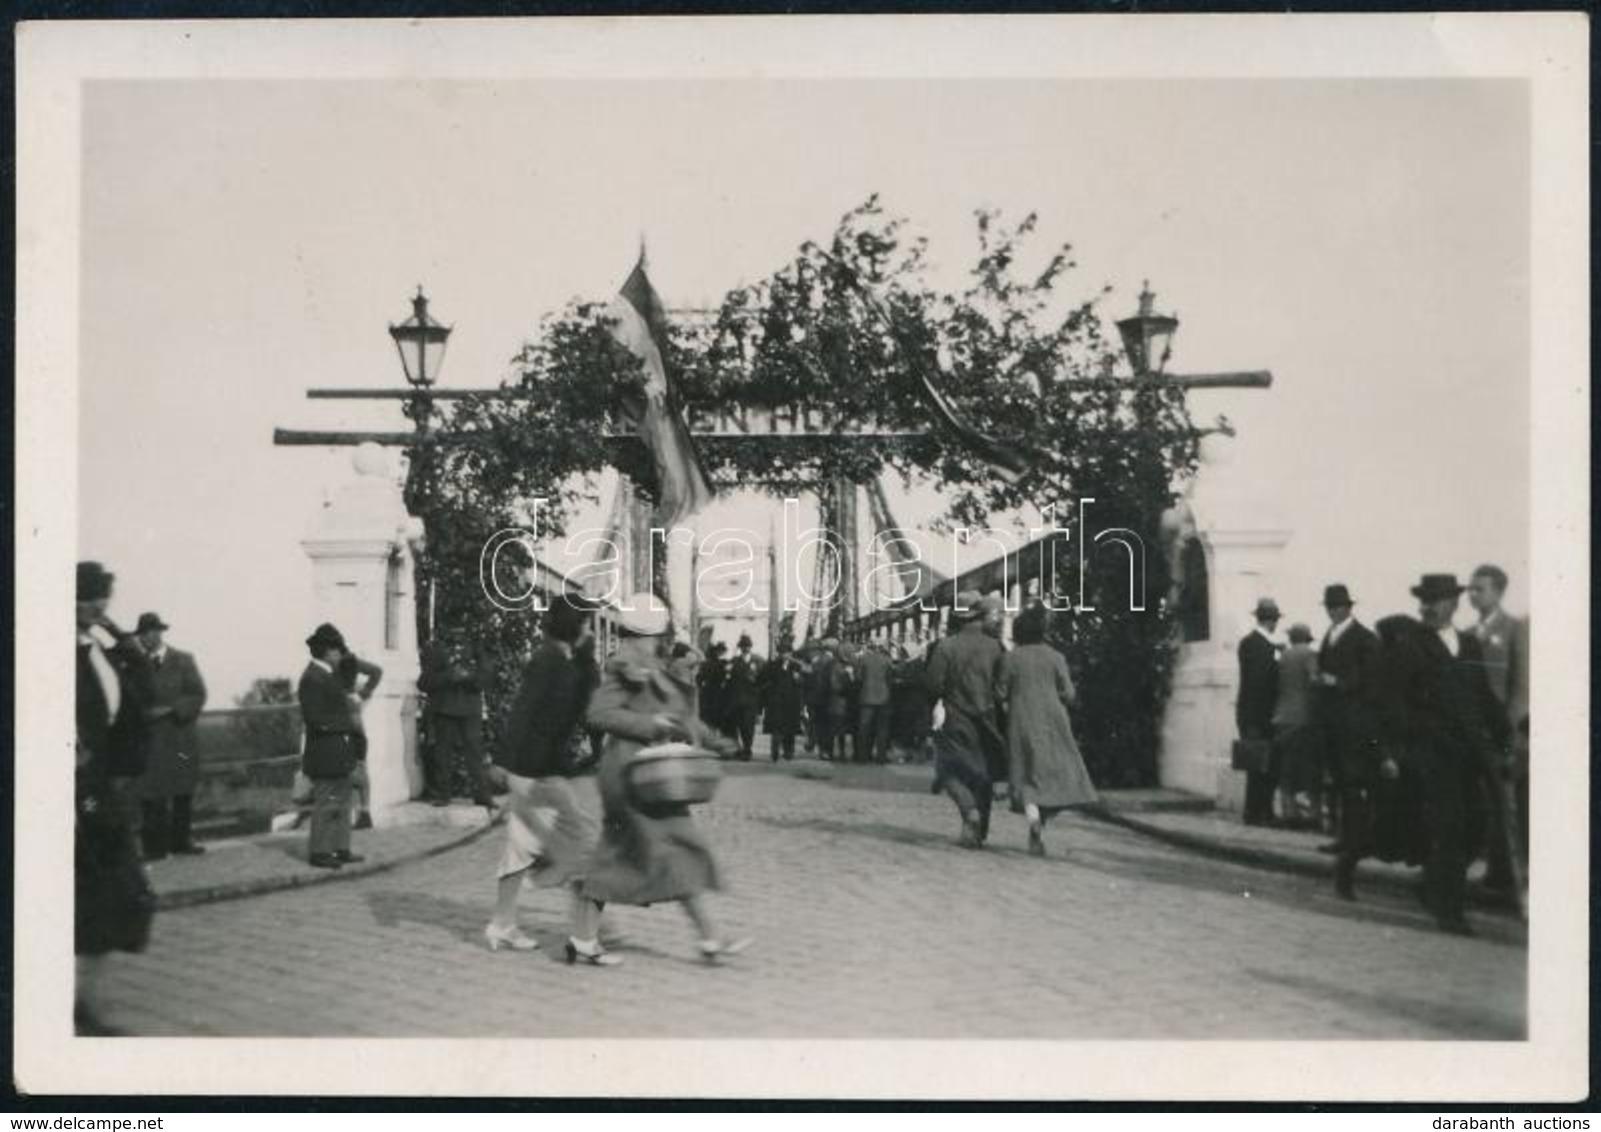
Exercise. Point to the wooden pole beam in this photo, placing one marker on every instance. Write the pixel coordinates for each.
(414, 394)
(1246, 379)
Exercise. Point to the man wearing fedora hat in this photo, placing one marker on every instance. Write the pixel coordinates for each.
(1347, 663)
(970, 753)
(172, 769)
(1253, 708)
(331, 749)
(1444, 713)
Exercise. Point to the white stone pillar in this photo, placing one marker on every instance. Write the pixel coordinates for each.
(1244, 536)
(359, 543)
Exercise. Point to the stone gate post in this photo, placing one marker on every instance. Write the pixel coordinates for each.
(1243, 534)
(359, 546)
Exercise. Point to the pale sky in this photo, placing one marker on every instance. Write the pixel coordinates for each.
(1367, 241)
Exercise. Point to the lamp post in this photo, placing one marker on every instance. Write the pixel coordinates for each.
(1148, 336)
(420, 341)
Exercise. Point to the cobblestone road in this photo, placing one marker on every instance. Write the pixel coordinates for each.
(870, 923)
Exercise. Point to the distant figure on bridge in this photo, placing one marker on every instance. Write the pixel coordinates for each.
(970, 754)
(819, 692)
(713, 684)
(873, 704)
(745, 696)
(783, 696)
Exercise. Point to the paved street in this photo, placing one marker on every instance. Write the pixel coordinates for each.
(870, 923)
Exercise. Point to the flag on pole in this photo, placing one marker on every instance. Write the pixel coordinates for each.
(640, 323)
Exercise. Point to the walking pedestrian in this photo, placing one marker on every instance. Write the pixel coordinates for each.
(872, 733)
(112, 901)
(455, 677)
(1045, 768)
(1253, 712)
(549, 836)
(647, 854)
(172, 765)
(970, 753)
(1443, 708)
(782, 695)
(331, 745)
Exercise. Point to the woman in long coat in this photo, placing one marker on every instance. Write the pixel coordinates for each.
(1046, 771)
(645, 856)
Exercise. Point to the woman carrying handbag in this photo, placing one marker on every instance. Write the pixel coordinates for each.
(651, 770)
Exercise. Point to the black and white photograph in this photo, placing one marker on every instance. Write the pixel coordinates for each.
(867, 556)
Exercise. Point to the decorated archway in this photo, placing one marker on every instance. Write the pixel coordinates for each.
(1005, 394)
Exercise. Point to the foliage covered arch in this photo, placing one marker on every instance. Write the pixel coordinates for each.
(1013, 356)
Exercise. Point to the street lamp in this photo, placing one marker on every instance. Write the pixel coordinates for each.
(1148, 336)
(420, 342)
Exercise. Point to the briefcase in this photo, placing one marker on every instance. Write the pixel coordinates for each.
(672, 774)
(1253, 754)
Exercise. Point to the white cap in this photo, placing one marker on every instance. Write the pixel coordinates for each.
(643, 620)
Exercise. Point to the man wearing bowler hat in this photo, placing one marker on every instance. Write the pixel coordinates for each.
(172, 769)
(1444, 712)
(331, 749)
(1253, 708)
(1347, 664)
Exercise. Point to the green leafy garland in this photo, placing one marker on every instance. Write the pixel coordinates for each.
(1012, 356)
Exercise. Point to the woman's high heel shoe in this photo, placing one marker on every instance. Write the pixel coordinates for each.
(593, 954)
(714, 951)
(513, 937)
(1036, 842)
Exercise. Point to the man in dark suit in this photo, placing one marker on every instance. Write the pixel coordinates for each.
(455, 683)
(1505, 641)
(1443, 711)
(745, 696)
(173, 769)
(1347, 674)
(331, 749)
(112, 902)
(114, 691)
(1253, 707)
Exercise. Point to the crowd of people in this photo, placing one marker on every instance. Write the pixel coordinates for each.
(1408, 741)
(865, 703)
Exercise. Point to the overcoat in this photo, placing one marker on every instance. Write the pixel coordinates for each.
(1348, 711)
(782, 695)
(536, 741)
(644, 857)
(1046, 768)
(331, 739)
(172, 765)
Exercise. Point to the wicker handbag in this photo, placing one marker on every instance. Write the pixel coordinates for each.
(672, 774)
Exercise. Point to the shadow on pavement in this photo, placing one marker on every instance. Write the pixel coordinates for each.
(1456, 1023)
